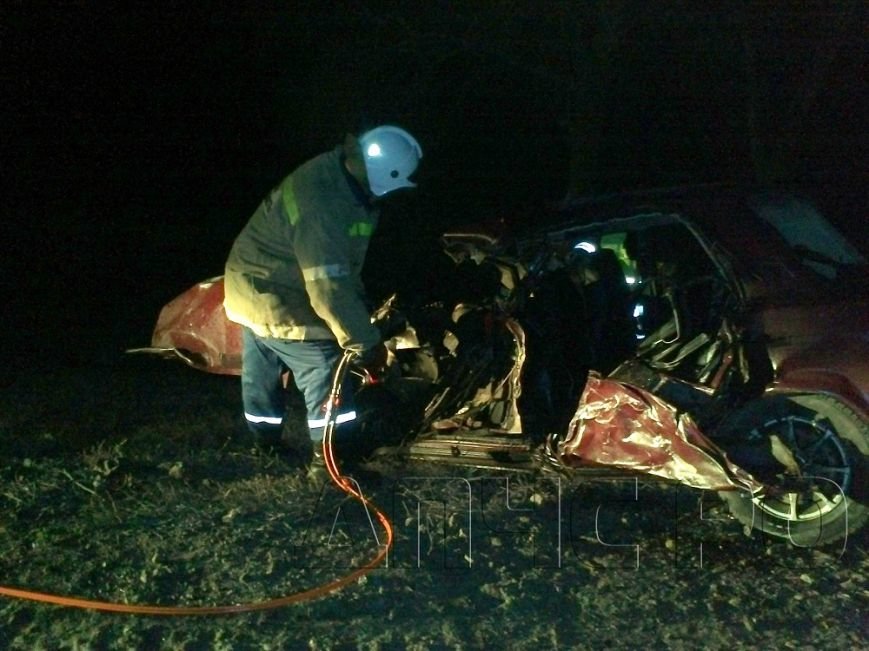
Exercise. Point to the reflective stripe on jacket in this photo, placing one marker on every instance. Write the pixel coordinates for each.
(294, 270)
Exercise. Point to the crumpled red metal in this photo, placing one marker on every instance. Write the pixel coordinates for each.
(194, 328)
(621, 426)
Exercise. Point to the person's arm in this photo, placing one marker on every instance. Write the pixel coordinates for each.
(332, 281)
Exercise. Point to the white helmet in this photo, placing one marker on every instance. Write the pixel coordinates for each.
(391, 155)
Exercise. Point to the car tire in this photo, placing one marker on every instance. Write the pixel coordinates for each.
(830, 444)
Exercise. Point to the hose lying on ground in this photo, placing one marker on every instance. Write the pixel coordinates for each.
(346, 484)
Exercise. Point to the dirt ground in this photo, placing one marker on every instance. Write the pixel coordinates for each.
(126, 481)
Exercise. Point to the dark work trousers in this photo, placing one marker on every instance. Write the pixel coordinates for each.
(312, 364)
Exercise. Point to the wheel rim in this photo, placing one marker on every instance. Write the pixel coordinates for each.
(821, 457)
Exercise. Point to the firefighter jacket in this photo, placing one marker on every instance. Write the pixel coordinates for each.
(294, 271)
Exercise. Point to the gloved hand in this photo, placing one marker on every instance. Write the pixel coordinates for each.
(374, 359)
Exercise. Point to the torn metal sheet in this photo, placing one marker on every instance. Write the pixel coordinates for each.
(621, 426)
(194, 328)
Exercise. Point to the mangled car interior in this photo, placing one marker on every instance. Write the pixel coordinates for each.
(639, 300)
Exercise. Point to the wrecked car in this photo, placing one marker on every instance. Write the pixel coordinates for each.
(718, 343)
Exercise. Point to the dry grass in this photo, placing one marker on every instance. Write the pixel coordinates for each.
(128, 482)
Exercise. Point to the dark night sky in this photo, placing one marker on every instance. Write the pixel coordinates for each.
(138, 140)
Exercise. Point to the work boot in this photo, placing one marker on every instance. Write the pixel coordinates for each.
(269, 443)
(317, 471)
(262, 437)
(276, 448)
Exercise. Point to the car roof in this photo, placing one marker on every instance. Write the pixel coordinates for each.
(736, 215)
(757, 227)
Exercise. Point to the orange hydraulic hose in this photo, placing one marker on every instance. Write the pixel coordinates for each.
(344, 483)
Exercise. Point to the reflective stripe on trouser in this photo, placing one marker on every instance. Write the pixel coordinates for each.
(312, 363)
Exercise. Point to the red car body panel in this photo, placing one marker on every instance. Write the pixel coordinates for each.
(194, 327)
(620, 426)
(820, 348)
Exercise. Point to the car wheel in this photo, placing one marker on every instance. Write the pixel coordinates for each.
(822, 448)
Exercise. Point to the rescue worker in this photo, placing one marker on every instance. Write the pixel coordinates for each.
(292, 280)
